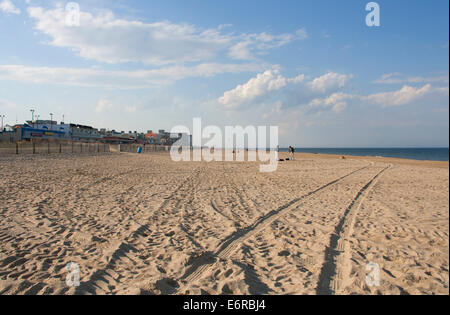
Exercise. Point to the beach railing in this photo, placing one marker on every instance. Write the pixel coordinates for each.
(146, 148)
(23, 148)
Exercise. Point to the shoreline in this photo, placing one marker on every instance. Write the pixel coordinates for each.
(440, 164)
(382, 159)
(413, 153)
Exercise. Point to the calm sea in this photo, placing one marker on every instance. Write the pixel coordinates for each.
(425, 154)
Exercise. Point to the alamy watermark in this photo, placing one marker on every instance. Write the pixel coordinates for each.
(73, 277)
(373, 277)
(235, 143)
(373, 18)
(72, 14)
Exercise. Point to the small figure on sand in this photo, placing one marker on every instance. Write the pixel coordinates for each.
(291, 153)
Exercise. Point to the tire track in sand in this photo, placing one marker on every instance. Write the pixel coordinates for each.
(336, 268)
(129, 249)
(231, 243)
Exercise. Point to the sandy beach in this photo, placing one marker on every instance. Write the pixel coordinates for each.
(142, 224)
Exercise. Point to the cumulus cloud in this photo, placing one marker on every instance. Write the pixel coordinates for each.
(88, 77)
(8, 7)
(317, 94)
(336, 101)
(405, 95)
(398, 78)
(109, 39)
(263, 83)
(271, 80)
(329, 81)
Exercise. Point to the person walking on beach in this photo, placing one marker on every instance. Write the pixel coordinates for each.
(291, 153)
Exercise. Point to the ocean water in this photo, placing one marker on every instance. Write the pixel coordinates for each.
(424, 154)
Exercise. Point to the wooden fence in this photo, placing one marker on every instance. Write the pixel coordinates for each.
(52, 148)
(132, 148)
(74, 148)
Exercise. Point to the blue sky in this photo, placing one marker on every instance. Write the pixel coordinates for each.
(314, 68)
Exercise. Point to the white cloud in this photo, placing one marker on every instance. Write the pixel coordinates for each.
(291, 93)
(89, 77)
(337, 101)
(8, 7)
(405, 95)
(108, 39)
(260, 43)
(241, 51)
(302, 33)
(329, 81)
(398, 78)
(103, 106)
(270, 80)
(297, 79)
(275, 110)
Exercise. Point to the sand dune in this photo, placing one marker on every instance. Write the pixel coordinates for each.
(142, 224)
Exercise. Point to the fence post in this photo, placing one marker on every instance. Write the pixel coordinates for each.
(17, 147)
(48, 147)
(34, 148)
(72, 147)
(81, 147)
(60, 148)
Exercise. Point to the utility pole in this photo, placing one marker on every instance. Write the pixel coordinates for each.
(2, 116)
(32, 117)
(51, 121)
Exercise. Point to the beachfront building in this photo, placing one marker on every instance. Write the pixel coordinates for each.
(84, 133)
(114, 137)
(10, 134)
(27, 132)
(49, 125)
(49, 129)
(73, 132)
(167, 138)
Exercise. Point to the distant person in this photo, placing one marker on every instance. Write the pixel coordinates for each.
(291, 153)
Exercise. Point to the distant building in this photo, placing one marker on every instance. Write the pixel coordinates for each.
(49, 125)
(10, 134)
(48, 129)
(86, 133)
(27, 132)
(166, 138)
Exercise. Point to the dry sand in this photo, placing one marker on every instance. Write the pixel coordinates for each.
(142, 224)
